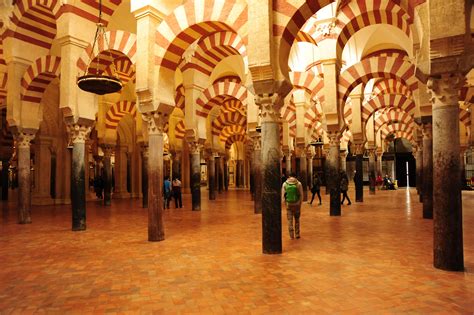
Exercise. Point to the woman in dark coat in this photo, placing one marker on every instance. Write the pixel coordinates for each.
(344, 185)
(316, 188)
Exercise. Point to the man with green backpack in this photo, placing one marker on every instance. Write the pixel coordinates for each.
(292, 194)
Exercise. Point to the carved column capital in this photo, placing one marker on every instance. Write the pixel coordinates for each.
(108, 149)
(268, 109)
(155, 122)
(195, 147)
(359, 148)
(427, 131)
(78, 133)
(334, 138)
(23, 139)
(257, 142)
(444, 90)
(371, 152)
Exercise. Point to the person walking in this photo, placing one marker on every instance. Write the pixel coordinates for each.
(166, 192)
(344, 185)
(292, 194)
(177, 192)
(316, 188)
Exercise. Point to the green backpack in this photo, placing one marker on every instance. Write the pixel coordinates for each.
(292, 195)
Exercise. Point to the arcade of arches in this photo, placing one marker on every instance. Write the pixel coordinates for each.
(234, 94)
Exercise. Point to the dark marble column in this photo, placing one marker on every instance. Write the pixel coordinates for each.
(419, 169)
(145, 175)
(271, 178)
(310, 155)
(177, 165)
(108, 149)
(195, 161)
(326, 169)
(211, 173)
(78, 134)
(462, 167)
(303, 175)
(428, 171)
(226, 174)
(288, 163)
(447, 204)
(155, 125)
(257, 166)
(372, 171)
(359, 175)
(4, 179)
(23, 144)
(333, 178)
(220, 167)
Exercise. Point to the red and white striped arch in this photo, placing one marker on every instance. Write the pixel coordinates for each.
(398, 53)
(120, 41)
(467, 94)
(358, 14)
(226, 88)
(194, 20)
(38, 76)
(316, 67)
(397, 132)
(227, 119)
(233, 139)
(212, 49)
(391, 86)
(117, 111)
(231, 130)
(233, 105)
(398, 126)
(314, 84)
(179, 97)
(313, 114)
(346, 136)
(180, 130)
(124, 68)
(34, 21)
(288, 113)
(3, 87)
(465, 117)
(390, 115)
(388, 100)
(304, 37)
(318, 131)
(87, 9)
(291, 16)
(374, 68)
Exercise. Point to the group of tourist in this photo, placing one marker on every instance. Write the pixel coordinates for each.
(172, 190)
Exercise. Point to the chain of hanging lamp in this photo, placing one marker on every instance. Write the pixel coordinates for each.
(99, 83)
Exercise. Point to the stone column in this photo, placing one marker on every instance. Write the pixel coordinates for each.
(195, 157)
(23, 143)
(144, 150)
(359, 175)
(462, 166)
(333, 174)
(419, 169)
(226, 173)
(4, 179)
(177, 165)
(257, 170)
(372, 171)
(211, 174)
(379, 163)
(220, 174)
(78, 134)
(326, 169)
(42, 191)
(155, 124)
(271, 190)
(108, 149)
(303, 175)
(310, 156)
(166, 165)
(120, 173)
(447, 204)
(288, 163)
(428, 171)
(342, 160)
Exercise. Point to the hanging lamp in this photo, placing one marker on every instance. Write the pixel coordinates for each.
(99, 83)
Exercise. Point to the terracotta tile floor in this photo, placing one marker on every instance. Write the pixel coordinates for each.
(376, 258)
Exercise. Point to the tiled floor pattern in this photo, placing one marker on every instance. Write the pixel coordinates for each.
(376, 258)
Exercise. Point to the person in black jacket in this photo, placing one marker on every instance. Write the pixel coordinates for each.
(344, 184)
(316, 189)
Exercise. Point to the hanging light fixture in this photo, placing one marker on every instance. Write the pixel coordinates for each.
(95, 82)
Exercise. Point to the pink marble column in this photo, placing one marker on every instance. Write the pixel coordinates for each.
(427, 169)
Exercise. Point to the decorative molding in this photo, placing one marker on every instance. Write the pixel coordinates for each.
(155, 122)
(268, 110)
(23, 139)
